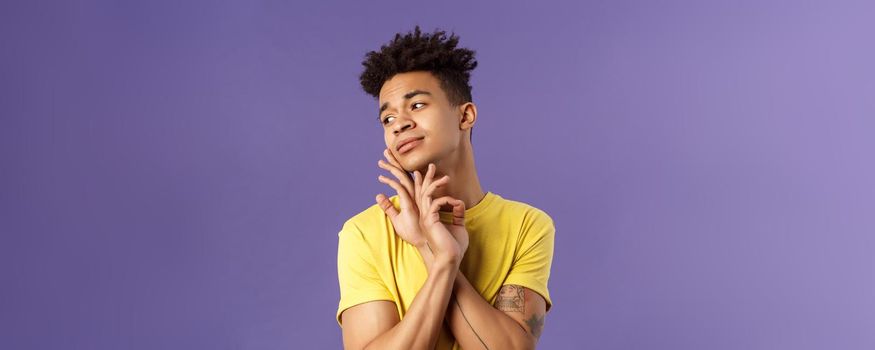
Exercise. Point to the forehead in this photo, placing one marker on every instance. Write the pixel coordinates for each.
(402, 83)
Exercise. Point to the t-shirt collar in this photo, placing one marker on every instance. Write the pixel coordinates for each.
(478, 208)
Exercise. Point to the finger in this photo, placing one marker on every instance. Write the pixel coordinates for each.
(424, 198)
(417, 185)
(402, 177)
(437, 183)
(431, 188)
(458, 208)
(458, 212)
(387, 206)
(426, 202)
(394, 161)
(435, 206)
(429, 174)
(402, 193)
(427, 180)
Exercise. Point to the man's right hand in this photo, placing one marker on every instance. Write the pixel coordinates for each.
(448, 241)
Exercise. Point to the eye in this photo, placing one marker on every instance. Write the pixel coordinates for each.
(386, 120)
(417, 103)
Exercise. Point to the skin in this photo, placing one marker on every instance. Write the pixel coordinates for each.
(446, 129)
(375, 325)
(442, 167)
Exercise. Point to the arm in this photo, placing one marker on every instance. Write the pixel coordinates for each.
(487, 325)
(419, 225)
(375, 325)
(515, 322)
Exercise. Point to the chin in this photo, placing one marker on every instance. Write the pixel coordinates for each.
(416, 161)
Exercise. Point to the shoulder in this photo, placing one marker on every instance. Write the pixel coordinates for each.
(530, 214)
(368, 222)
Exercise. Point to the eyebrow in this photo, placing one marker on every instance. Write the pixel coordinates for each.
(407, 96)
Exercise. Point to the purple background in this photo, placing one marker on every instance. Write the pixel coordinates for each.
(174, 174)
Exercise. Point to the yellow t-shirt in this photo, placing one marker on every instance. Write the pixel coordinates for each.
(510, 242)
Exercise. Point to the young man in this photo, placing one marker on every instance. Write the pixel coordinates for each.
(442, 264)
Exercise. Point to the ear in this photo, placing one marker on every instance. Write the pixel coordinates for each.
(467, 115)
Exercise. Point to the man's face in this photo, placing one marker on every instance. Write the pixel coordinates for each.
(413, 105)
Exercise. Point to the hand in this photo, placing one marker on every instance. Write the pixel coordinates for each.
(449, 241)
(406, 222)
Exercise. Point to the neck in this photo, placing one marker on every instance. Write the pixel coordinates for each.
(464, 184)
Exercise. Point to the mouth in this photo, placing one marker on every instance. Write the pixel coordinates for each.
(409, 145)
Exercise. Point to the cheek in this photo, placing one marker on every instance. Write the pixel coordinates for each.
(450, 125)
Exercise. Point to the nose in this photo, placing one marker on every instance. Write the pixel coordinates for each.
(402, 123)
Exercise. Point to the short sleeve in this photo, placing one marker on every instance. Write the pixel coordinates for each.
(531, 266)
(356, 271)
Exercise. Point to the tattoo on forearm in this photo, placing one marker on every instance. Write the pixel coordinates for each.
(536, 325)
(511, 298)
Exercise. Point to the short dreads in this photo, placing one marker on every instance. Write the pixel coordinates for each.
(415, 51)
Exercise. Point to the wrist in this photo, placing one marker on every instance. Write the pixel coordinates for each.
(423, 246)
(446, 262)
(447, 259)
(426, 254)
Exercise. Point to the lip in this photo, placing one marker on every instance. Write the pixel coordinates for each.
(407, 140)
(408, 144)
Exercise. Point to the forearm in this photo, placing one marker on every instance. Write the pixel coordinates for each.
(421, 326)
(474, 322)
